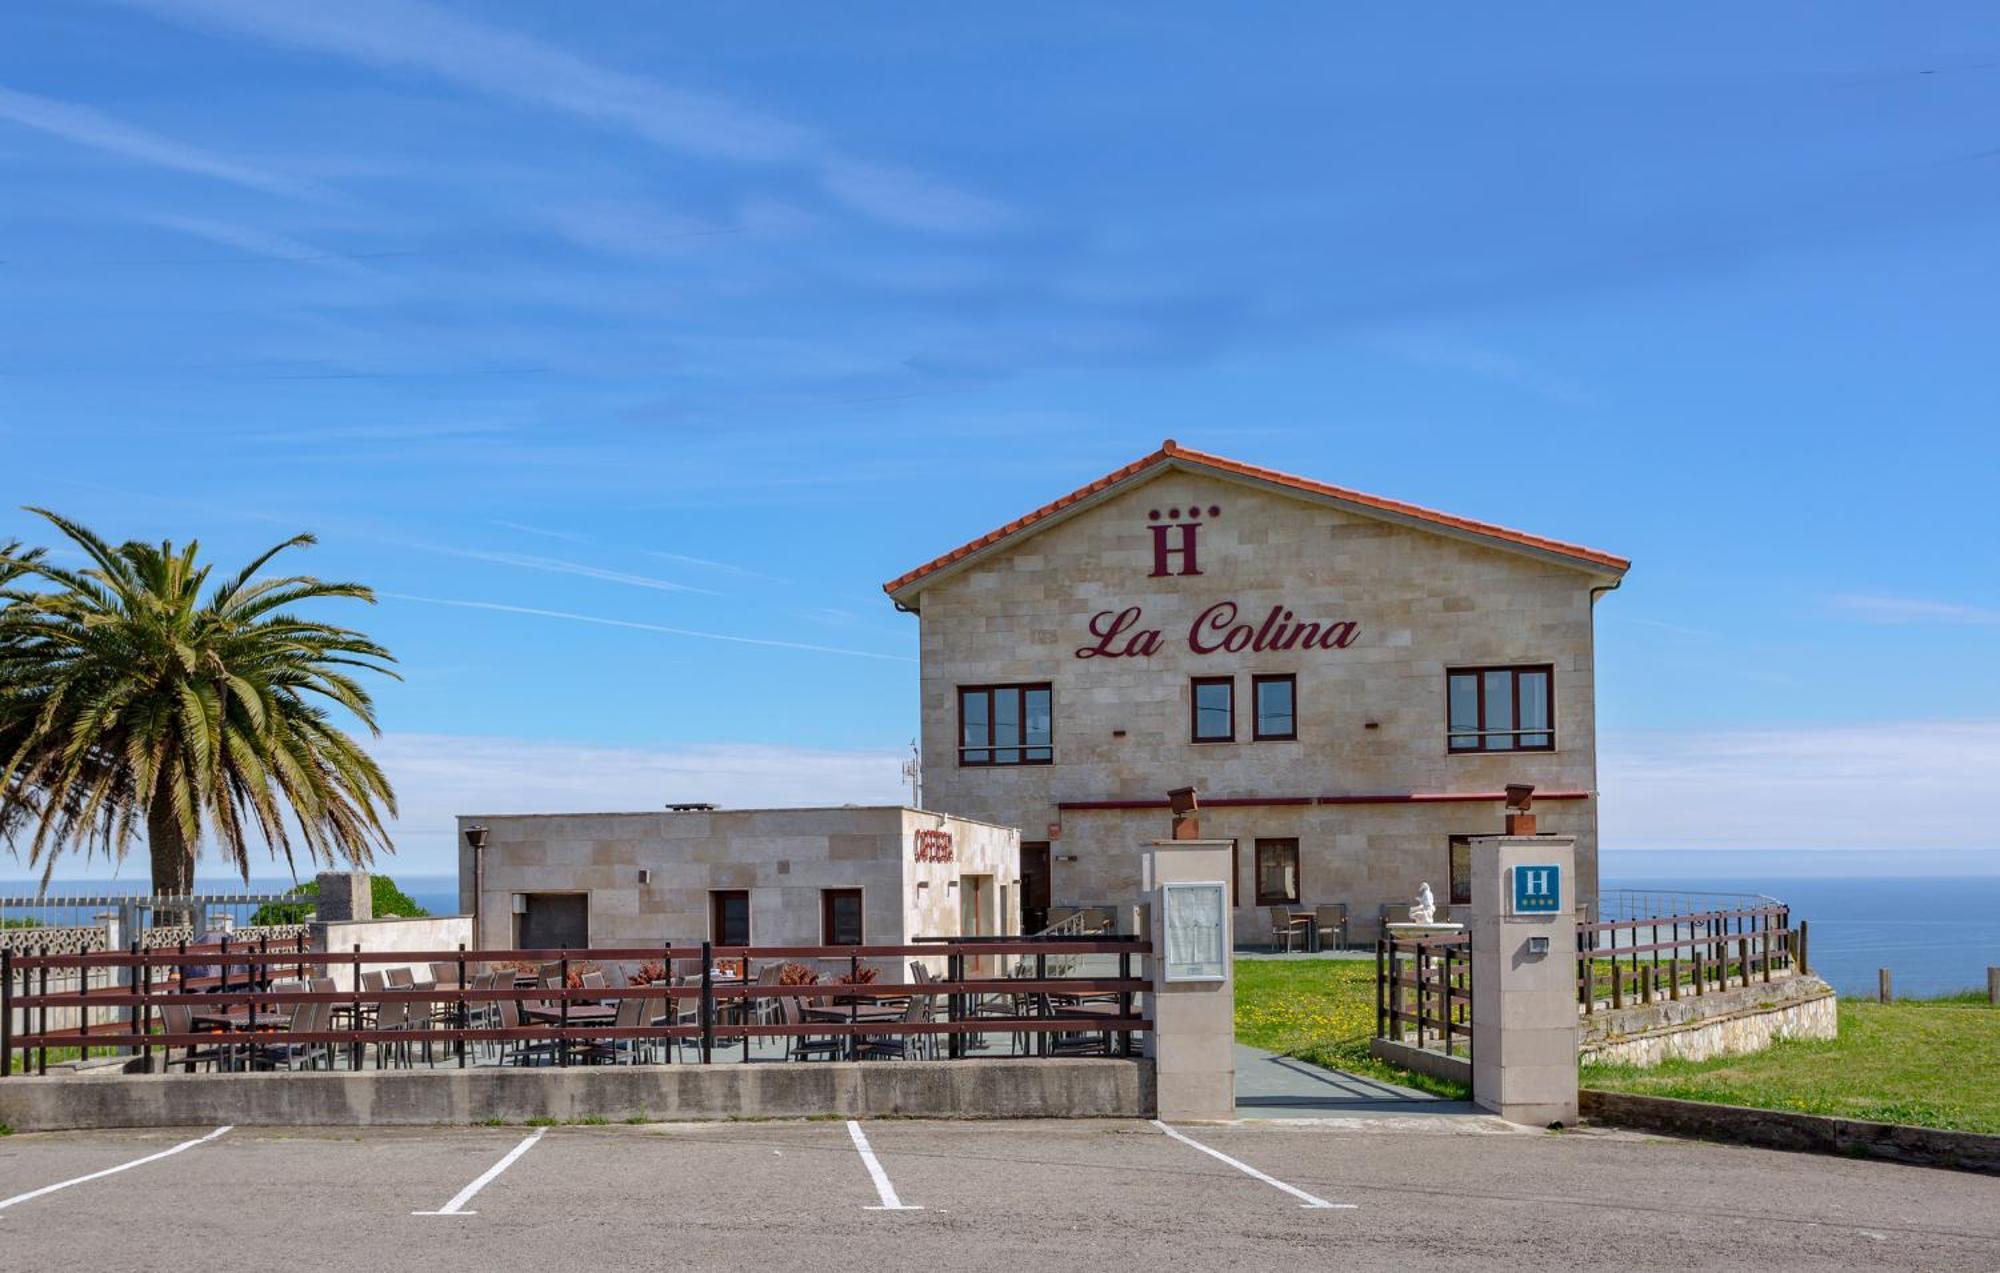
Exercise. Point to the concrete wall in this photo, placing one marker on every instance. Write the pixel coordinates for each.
(1721, 1023)
(783, 857)
(428, 933)
(1810, 1133)
(1028, 1088)
(1371, 717)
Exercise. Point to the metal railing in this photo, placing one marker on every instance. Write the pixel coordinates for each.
(1648, 903)
(254, 1021)
(1636, 961)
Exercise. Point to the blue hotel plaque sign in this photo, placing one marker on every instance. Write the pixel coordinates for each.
(1537, 890)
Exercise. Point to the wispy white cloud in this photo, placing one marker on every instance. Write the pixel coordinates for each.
(1887, 609)
(86, 127)
(1909, 785)
(557, 566)
(278, 247)
(437, 777)
(603, 621)
(409, 35)
(524, 528)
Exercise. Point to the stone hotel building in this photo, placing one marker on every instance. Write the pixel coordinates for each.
(1349, 682)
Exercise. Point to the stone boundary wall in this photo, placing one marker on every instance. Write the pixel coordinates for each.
(83, 939)
(1452, 1069)
(1721, 1023)
(1807, 1133)
(1024, 1088)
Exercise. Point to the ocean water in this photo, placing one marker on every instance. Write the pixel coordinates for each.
(1936, 934)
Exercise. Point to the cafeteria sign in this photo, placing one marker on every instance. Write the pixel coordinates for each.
(933, 846)
(1537, 890)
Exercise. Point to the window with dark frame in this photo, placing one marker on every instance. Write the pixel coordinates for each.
(1005, 725)
(1277, 872)
(1460, 869)
(1491, 709)
(840, 917)
(1274, 708)
(1212, 709)
(729, 917)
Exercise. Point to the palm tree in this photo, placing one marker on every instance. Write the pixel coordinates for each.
(127, 700)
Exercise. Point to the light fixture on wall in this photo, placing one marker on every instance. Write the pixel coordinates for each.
(475, 839)
(520, 903)
(1065, 857)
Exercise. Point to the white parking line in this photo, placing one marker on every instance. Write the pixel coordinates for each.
(890, 1202)
(112, 1171)
(1305, 1199)
(458, 1200)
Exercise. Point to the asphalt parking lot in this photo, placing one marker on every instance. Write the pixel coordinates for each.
(1392, 1193)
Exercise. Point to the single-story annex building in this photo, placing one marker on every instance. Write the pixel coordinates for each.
(843, 876)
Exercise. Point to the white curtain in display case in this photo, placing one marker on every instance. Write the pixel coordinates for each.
(1194, 924)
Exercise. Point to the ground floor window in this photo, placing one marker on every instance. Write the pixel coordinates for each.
(1277, 872)
(553, 921)
(729, 917)
(1461, 870)
(840, 916)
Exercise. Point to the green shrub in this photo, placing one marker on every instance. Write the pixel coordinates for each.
(390, 902)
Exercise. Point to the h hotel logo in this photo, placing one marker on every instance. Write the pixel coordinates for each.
(1537, 890)
(1174, 539)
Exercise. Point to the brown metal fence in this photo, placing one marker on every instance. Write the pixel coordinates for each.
(1423, 992)
(1637, 961)
(229, 1007)
(1423, 985)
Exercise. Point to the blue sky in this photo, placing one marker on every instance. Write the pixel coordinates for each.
(567, 325)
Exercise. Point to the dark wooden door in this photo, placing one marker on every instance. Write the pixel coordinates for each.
(554, 920)
(1034, 885)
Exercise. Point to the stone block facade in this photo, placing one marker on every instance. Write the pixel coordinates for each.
(1117, 606)
(783, 858)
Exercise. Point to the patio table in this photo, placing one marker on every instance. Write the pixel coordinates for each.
(592, 1014)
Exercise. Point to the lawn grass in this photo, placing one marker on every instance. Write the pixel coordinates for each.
(1929, 1063)
(1321, 1011)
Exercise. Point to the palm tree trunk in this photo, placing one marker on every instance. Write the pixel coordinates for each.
(173, 856)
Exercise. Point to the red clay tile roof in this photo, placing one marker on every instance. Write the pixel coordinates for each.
(1171, 450)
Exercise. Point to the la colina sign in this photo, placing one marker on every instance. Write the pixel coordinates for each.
(1122, 634)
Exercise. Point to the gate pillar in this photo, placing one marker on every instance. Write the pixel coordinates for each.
(1188, 913)
(1524, 1023)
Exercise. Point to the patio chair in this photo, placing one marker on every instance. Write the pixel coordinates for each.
(1331, 920)
(392, 1017)
(804, 1047)
(178, 1018)
(898, 1047)
(1080, 1041)
(444, 974)
(309, 1018)
(402, 979)
(372, 982)
(593, 980)
(1283, 931)
(522, 1051)
(765, 1009)
(631, 1015)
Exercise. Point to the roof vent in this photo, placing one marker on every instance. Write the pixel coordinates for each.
(699, 806)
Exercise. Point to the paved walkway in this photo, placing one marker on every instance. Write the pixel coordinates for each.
(1273, 1086)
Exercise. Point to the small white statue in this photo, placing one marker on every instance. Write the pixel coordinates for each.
(1424, 909)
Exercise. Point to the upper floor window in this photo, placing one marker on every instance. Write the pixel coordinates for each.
(1501, 708)
(1005, 725)
(1212, 707)
(1275, 707)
